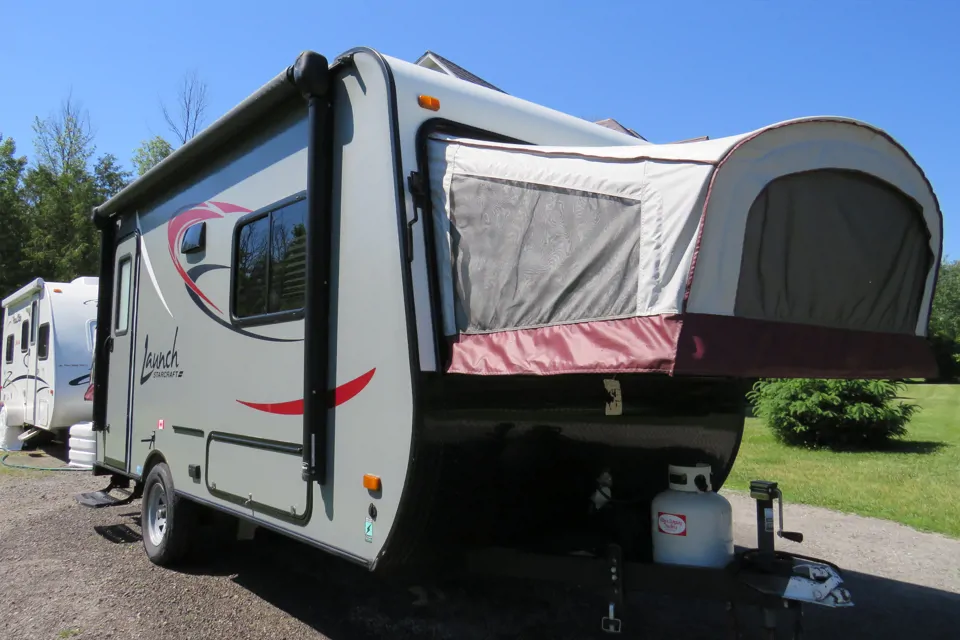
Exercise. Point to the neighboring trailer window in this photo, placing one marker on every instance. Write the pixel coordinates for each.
(43, 341)
(8, 351)
(122, 322)
(91, 334)
(24, 335)
(271, 262)
(33, 319)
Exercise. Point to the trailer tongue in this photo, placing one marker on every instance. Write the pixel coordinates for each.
(774, 581)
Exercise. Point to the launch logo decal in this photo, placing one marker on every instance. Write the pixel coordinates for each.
(672, 524)
(337, 397)
(160, 363)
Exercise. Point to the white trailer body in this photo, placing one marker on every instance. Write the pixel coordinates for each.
(279, 335)
(49, 330)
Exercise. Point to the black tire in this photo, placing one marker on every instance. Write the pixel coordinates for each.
(165, 544)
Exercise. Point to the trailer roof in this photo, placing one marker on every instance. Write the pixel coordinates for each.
(25, 291)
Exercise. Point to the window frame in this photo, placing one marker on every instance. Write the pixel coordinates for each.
(126, 257)
(24, 335)
(43, 351)
(34, 315)
(249, 218)
(8, 348)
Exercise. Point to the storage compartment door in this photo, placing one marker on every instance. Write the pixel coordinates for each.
(259, 474)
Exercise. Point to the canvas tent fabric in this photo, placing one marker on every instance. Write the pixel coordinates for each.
(809, 247)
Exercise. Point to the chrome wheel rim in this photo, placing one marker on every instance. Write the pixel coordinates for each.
(156, 514)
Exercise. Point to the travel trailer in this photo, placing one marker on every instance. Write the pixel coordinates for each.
(407, 320)
(48, 337)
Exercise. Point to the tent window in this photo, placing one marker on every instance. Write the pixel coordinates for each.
(524, 255)
(24, 335)
(43, 341)
(834, 248)
(270, 262)
(8, 350)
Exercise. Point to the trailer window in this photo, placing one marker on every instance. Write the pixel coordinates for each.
(8, 351)
(24, 335)
(43, 341)
(270, 262)
(122, 321)
(33, 319)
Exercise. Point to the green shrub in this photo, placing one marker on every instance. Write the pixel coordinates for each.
(947, 353)
(836, 414)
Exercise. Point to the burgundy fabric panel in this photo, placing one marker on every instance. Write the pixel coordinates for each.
(645, 344)
(742, 347)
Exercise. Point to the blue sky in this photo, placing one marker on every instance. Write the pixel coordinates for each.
(670, 70)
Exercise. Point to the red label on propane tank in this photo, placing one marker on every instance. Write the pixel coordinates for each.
(673, 524)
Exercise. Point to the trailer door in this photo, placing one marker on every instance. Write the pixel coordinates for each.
(41, 384)
(121, 347)
(29, 356)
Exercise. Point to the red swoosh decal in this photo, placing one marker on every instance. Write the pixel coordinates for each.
(345, 392)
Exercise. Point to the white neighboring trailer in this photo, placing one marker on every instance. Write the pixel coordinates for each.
(403, 318)
(49, 329)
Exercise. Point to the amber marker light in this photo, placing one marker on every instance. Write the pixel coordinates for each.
(429, 102)
(371, 482)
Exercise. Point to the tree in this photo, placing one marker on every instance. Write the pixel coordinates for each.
(836, 414)
(13, 235)
(59, 193)
(150, 153)
(945, 320)
(64, 141)
(191, 108)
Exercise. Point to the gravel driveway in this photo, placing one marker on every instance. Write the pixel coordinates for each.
(72, 572)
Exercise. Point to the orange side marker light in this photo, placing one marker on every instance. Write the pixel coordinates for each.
(429, 102)
(371, 482)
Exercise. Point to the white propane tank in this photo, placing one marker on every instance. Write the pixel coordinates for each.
(692, 524)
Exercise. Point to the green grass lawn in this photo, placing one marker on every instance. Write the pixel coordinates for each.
(917, 483)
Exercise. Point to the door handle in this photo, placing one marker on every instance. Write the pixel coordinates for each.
(108, 344)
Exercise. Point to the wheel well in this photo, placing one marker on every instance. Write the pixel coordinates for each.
(152, 459)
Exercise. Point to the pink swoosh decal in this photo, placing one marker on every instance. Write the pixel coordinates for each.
(345, 392)
(228, 207)
(178, 226)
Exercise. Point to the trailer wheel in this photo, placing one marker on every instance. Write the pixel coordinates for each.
(166, 520)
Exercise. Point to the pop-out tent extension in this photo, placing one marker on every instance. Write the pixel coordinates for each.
(806, 248)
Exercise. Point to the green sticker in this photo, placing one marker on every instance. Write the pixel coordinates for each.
(368, 530)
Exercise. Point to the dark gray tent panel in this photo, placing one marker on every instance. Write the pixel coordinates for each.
(836, 249)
